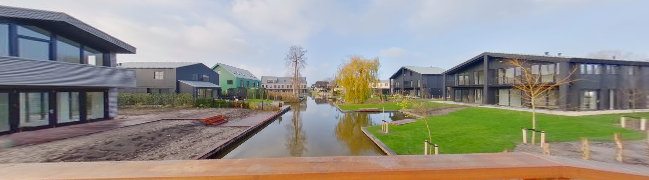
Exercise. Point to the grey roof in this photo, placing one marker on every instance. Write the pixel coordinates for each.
(64, 21)
(238, 72)
(280, 80)
(553, 59)
(420, 70)
(154, 65)
(200, 84)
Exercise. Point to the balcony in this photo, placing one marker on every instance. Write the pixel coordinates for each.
(26, 72)
(451, 166)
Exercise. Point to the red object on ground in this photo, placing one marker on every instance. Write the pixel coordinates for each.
(215, 120)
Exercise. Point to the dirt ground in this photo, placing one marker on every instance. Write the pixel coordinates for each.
(635, 152)
(158, 140)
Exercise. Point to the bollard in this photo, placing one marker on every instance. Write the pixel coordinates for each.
(387, 127)
(533, 136)
(382, 126)
(546, 149)
(425, 147)
(524, 136)
(643, 124)
(585, 149)
(618, 142)
(542, 138)
(436, 149)
(623, 121)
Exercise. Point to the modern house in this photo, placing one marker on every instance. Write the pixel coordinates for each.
(233, 77)
(596, 84)
(425, 82)
(282, 84)
(383, 87)
(323, 86)
(174, 77)
(56, 70)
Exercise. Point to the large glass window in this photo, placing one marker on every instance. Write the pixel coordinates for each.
(589, 100)
(34, 109)
(509, 76)
(547, 73)
(68, 107)
(33, 43)
(68, 51)
(515, 98)
(93, 57)
(95, 105)
(4, 112)
(503, 97)
(4, 40)
(33, 49)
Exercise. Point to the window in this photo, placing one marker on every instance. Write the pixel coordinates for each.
(194, 77)
(590, 69)
(501, 76)
(478, 95)
(95, 105)
(205, 93)
(478, 78)
(547, 73)
(241, 83)
(611, 69)
(247, 83)
(589, 100)
(68, 107)
(33, 43)
(93, 57)
(205, 78)
(509, 76)
(34, 109)
(68, 51)
(503, 97)
(4, 41)
(4, 112)
(158, 75)
(230, 82)
(630, 70)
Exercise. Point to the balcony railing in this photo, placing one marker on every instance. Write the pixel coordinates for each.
(452, 166)
(26, 72)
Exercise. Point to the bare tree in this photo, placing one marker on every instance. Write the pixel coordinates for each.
(296, 60)
(532, 86)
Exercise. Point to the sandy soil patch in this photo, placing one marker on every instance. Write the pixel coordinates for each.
(159, 140)
(635, 152)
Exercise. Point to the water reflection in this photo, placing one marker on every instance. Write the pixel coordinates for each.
(295, 137)
(310, 129)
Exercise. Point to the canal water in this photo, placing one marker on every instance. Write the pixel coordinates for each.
(312, 128)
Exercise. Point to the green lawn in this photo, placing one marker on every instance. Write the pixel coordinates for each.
(481, 130)
(260, 100)
(391, 105)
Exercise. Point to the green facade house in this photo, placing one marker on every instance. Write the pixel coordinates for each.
(233, 77)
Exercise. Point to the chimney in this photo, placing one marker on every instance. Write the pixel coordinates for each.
(559, 54)
(547, 53)
(613, 57)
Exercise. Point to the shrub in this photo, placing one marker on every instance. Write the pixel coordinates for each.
(283, 96)
(219, 103)
(167, 100)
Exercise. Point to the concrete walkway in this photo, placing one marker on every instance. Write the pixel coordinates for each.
(547, 111)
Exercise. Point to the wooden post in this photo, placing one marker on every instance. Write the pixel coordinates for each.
(534, 137)
(387, 127)
(546, 149)
(643, 124)
(383, 126)
(585, 149)
(623, 121)
(524, 136)
(542, 138)
(618, 142)
(425, 147)
(436, 149)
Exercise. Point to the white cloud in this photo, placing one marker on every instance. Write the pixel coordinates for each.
(393, 53)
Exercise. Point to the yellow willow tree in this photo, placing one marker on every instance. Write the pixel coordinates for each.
(535, 83)
(355, 78)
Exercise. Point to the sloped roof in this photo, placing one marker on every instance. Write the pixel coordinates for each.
(280, 80)
(64, 22)
(420, 70)
(154, 65)
(200, 84)
(238, 72)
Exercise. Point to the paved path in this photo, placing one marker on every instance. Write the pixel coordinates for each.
(555, 112)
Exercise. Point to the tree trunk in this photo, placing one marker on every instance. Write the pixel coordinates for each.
(533, 120)
(295, 77)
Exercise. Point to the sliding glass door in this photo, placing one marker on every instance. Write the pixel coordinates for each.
(68, 107)
(4, 112)
(95, 105)
(34, 109)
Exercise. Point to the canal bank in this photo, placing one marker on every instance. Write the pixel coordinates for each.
(155, 140)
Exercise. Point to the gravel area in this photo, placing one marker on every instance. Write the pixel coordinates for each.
(635, 152)
(159, 140)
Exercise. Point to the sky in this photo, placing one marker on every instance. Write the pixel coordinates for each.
(256, 34)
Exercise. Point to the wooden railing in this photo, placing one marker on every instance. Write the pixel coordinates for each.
(460, 166)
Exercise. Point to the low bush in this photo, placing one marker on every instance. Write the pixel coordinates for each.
(283, 96)
(166, 100)
(218, 103)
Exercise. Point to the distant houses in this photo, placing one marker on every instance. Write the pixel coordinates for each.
(173, 77)
(282, 84)
(233, 77)
(382, 87)
(424, 82)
